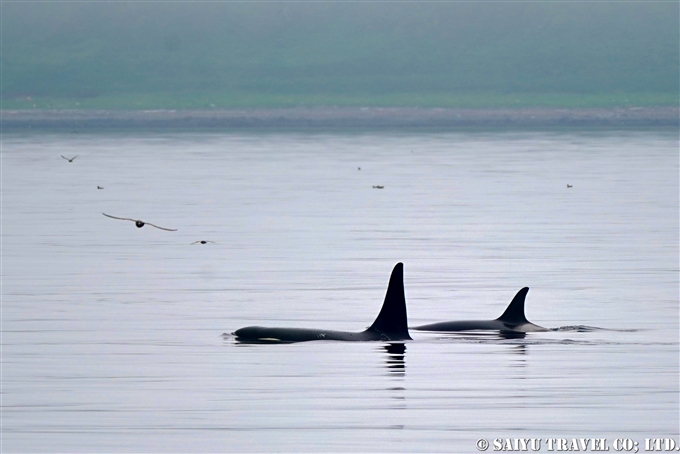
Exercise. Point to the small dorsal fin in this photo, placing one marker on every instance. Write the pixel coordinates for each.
(515, 312)
(392, 320)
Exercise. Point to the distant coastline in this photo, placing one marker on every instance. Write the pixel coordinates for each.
(341, 117)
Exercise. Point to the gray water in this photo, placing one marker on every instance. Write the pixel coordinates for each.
(112, 335)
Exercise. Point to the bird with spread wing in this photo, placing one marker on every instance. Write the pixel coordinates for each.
(139, 223)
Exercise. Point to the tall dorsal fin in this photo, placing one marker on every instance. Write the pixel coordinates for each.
(515, 312)
(392, 320)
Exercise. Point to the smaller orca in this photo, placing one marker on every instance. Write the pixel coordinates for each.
(390, 325)
(513, 320)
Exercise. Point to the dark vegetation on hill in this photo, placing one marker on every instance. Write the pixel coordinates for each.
(469, 54)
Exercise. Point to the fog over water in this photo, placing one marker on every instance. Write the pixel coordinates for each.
(311, 53)
(113, 335)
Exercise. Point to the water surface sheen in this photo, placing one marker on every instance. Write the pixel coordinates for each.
(112, 335)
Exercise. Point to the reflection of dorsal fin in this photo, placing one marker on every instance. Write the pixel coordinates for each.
(515, 312)
(392, 320)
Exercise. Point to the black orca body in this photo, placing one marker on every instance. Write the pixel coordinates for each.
(513, 320)
(390, 325)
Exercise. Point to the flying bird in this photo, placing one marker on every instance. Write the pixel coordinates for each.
(139, 223)
(69, 160)
(203, 242)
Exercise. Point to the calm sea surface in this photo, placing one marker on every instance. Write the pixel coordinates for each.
(112, 335)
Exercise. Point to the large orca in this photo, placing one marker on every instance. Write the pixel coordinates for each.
(390, 325)
(513, 320)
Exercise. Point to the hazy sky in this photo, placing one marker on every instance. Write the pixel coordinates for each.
(94, 48)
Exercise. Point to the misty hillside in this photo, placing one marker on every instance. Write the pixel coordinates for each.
(258, 54)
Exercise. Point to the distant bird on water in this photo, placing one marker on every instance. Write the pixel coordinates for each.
(570, 186)
(139, 223)
(69, 160)
(203, 242)
(99, 187)
(378, 187)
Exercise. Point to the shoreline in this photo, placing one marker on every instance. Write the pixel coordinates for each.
(342, 117)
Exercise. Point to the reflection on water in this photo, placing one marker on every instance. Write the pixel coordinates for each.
(111, 333)
(396, 353)
(519, 349)
(511, 335)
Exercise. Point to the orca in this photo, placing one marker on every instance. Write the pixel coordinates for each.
(390, 325)
(513, 320)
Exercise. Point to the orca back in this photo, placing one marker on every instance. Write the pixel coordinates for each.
(514, 314)
(392, 320)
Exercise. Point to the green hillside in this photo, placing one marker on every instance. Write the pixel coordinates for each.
(467, 54)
